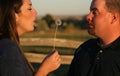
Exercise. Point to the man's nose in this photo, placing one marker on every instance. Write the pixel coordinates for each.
(89, 17)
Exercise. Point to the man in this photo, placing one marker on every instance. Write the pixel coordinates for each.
(100, 56)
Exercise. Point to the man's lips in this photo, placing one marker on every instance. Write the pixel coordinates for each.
(91, 26)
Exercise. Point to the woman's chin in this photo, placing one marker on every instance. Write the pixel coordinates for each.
(30, 30)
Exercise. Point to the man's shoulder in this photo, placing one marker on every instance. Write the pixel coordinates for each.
(90, 42)
(90, 46)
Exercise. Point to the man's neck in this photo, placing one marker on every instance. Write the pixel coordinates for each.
(108, 40)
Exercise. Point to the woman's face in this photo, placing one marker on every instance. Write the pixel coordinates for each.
(26, 18)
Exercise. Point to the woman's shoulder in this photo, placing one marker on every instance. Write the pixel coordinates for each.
(7, 46)
(7, 42)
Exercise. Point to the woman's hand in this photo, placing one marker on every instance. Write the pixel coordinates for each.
(49, 64)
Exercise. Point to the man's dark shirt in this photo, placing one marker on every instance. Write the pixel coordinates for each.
(12, 62)
(92, 60)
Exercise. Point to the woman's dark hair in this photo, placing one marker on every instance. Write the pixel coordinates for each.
(8, 28)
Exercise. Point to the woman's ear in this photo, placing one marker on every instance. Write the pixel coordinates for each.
(16, 16)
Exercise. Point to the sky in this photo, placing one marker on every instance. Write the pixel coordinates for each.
(62, 7)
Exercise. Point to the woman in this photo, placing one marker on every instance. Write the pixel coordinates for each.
(16, 18)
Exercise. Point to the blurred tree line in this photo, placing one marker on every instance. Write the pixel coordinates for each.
(47, 22)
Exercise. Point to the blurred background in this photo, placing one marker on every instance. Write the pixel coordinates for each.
(70, 34)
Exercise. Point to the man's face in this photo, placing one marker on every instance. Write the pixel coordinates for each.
(98, 18)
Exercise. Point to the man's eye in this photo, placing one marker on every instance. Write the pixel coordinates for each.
(94, 12)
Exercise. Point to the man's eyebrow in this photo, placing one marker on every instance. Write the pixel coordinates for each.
(93, 9)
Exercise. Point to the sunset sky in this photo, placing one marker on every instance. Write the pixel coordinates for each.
(61, 7)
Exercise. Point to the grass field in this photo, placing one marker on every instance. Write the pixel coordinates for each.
(76, 35)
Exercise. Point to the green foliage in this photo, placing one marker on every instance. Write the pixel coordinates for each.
(49, 19)
(83, 23)
(70, 27)
(41, 25)
(48, 22)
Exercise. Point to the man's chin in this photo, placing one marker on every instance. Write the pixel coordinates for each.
(91, 32)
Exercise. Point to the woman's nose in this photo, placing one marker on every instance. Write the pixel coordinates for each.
(35, 12)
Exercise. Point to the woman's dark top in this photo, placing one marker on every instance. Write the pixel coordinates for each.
(91, 59)
(12, 62)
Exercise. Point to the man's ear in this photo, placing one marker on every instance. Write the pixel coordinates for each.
(115, 18)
